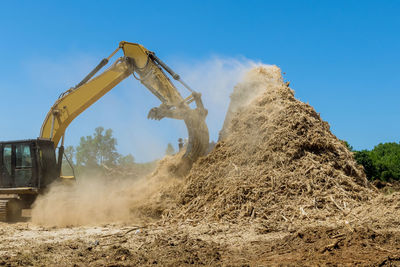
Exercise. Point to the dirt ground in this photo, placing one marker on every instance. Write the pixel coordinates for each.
(25, 244)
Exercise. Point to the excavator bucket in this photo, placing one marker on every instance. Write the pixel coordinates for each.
(198, 141)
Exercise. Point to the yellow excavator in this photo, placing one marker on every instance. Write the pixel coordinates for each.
(27, 167)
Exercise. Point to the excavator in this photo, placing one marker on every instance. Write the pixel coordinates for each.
(28, 167)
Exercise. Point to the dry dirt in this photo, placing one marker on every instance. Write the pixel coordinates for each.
(278, 189)
(185, 244)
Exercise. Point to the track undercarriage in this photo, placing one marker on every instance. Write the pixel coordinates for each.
(13, 200)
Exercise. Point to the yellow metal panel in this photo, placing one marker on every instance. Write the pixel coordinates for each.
(69, 177)
(151, 75)
(137, 52)
(74, 103)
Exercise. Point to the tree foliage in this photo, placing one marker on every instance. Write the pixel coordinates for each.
(97, 150)
(363, 158)
(126, 161)
(382, 162)
(97, 153)
(67, 162)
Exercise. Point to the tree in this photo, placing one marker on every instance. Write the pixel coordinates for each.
(97, 150)
(382, 162)
(170, 150)
(68, 160)
(69, 152)
(126, 161)
(363, 158)
(386, 158)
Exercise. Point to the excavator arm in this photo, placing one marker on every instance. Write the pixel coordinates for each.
(145, 66)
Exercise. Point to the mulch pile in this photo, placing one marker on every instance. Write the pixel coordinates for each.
(277, 164)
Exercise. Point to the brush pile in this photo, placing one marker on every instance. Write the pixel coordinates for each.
(277, 164)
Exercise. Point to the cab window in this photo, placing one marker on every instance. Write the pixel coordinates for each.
(23, 156)
(7, 159)
(23, 165)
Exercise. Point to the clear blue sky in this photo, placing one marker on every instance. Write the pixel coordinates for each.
(342, 57)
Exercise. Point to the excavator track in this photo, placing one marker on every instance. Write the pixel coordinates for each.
(10, 210)
(3, 210)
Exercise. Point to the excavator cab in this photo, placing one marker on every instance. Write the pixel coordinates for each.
(26, 168)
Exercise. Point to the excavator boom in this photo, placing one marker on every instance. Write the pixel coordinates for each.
(74, 101)
(148, 69)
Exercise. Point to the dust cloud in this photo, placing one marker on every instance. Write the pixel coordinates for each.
(100, 199)
(252, 85)
(215, 78)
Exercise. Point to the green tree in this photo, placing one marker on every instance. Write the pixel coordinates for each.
(68, 160)
(69, 153)
(97, 150)
(382, 162)
(170, 150)
(386, 158)
(126, 161)
(363, 158)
